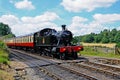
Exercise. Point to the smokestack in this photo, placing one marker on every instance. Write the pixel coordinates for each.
(63, 27)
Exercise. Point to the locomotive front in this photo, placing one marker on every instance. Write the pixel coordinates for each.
(64, 37)
(64, 47)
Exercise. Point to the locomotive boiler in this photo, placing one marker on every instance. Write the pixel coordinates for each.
(48, 42)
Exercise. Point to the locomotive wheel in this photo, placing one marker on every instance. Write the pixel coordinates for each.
(75, 56)
(62, 56)
(54, 55)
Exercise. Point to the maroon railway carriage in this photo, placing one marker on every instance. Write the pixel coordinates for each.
(49, 42)
(22, 41)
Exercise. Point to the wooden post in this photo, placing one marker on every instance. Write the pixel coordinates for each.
(114, 49)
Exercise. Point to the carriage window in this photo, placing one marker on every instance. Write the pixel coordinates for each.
(31, 38)
(26, 39)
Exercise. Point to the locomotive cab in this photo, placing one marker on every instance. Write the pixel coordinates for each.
(45, 37)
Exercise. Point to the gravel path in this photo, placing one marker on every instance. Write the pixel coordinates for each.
(36, 74)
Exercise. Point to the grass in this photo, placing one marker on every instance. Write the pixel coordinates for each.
(4, 61)
(4, 57)
(88, 51)
(3, 53)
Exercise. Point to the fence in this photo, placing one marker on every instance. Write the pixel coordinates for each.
(105, 48)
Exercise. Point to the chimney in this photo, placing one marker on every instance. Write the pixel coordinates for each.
(63, 27)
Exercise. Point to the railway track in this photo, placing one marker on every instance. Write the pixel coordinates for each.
(110, 72)
(78, 73)
(33, 65)
(107, 70)
(52, 68)
(108, 61)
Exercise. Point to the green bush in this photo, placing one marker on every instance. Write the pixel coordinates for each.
(4, 57)
(3, 60)
(3, 45)
(3, 53)
(118, 45)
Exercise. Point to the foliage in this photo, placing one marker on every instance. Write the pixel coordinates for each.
(118, 44)
(5, 32)
(3, 53)
(105, 36)
(8, 36)
(4, 29)
(117, 37)
(105, 40)
(3, 57)
(76, 40)
(2, 45)
(89, 38)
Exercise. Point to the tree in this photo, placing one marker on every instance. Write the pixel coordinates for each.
(118, 44)
(113, 32)
(75, 40)
(117, 37)
(98, 38)
(105, 36)
(112, 35)
(4, 29)
(89, 38)
(105, 40)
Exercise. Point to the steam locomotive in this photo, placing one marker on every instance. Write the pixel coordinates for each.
(48, 42)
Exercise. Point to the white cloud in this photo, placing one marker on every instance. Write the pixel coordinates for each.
(25, 4)
(27, 28)
(22, 26)
(118, 28)
(78, 19)
(87, 5)
(9, 19)
(107, 18)
(79, 25)
(100, 22)
(47, 16)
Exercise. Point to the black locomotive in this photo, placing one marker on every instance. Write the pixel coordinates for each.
(57, 44)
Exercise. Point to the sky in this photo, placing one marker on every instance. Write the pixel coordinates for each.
(81, 16)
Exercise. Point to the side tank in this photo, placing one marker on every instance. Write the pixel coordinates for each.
(45, 37)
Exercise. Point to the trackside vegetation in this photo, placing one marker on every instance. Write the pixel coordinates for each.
(6, 75)
(3, 53)
(89, 51)
(105, 36)
(5, 32)
(4, 62)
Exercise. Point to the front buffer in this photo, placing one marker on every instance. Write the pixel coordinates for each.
(69, 51)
